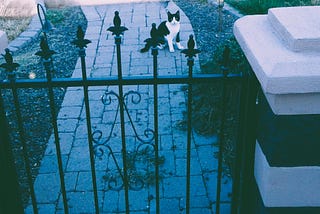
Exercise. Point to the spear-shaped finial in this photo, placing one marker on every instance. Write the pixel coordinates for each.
(116, 19)
(80, 42)
(45, 51)
(7, 56)
(191, 43)
(9, 65)
(153, 41)
(117, 29)
(153, 31)
(154, 35)
(191, 51)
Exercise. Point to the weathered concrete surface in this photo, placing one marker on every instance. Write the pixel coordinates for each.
(284, 74)
(298, 27)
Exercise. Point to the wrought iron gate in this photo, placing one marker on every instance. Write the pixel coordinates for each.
(123, 175)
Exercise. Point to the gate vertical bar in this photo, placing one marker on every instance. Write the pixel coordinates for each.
(247, 175)
(10, 200)
(81, 43)
(46, 55)
(24, 145)
(190, 53)
(10, 67)
(243, 112)
(118, 30)
(190, 65)
(224, 69)
(156, 122)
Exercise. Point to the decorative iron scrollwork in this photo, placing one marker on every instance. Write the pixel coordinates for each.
(102, 148)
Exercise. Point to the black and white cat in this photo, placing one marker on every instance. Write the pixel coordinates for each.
(167, 32)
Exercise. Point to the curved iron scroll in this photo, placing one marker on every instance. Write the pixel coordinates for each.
(146, 145)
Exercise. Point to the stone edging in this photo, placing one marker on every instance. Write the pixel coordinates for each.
(28, 35)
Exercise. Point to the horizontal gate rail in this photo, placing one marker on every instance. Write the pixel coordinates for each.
(149, 80)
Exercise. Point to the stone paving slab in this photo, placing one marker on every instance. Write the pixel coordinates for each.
(101, 62)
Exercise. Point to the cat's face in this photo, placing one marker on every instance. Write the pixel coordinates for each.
(174, 18)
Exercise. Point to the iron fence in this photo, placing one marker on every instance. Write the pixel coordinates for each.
(242, 175)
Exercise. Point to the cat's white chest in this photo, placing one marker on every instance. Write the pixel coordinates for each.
(173, 28)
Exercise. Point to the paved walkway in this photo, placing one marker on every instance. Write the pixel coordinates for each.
(101, 62)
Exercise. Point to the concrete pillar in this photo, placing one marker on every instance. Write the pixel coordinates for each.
(283, 48)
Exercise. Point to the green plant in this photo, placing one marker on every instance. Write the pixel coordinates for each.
(262, 6)
(56, 16)
(207, 97)
(236, 62)
(207, 101)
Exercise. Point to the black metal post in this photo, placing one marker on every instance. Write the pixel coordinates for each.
(10, 68)
(118, 30)
(225, 71)
(189, 130)
(24, 145)
(250, 122)
(47, 64)
(236, 179)
(155, 52)
(122, 120)
(46, 55)
(81, 43)
(10, 200)
(190, 53)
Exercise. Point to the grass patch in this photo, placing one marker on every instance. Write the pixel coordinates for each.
(262, 6)
(14, 26)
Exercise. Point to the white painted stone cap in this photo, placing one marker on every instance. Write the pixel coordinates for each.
(298, 27)
(281, 70)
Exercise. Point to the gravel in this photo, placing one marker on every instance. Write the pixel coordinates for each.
(204, 18)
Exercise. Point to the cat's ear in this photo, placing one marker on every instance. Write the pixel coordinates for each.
(168, 12)
(177, 15)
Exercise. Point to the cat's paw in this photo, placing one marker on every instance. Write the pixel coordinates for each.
(170, 46)
(179, 46)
